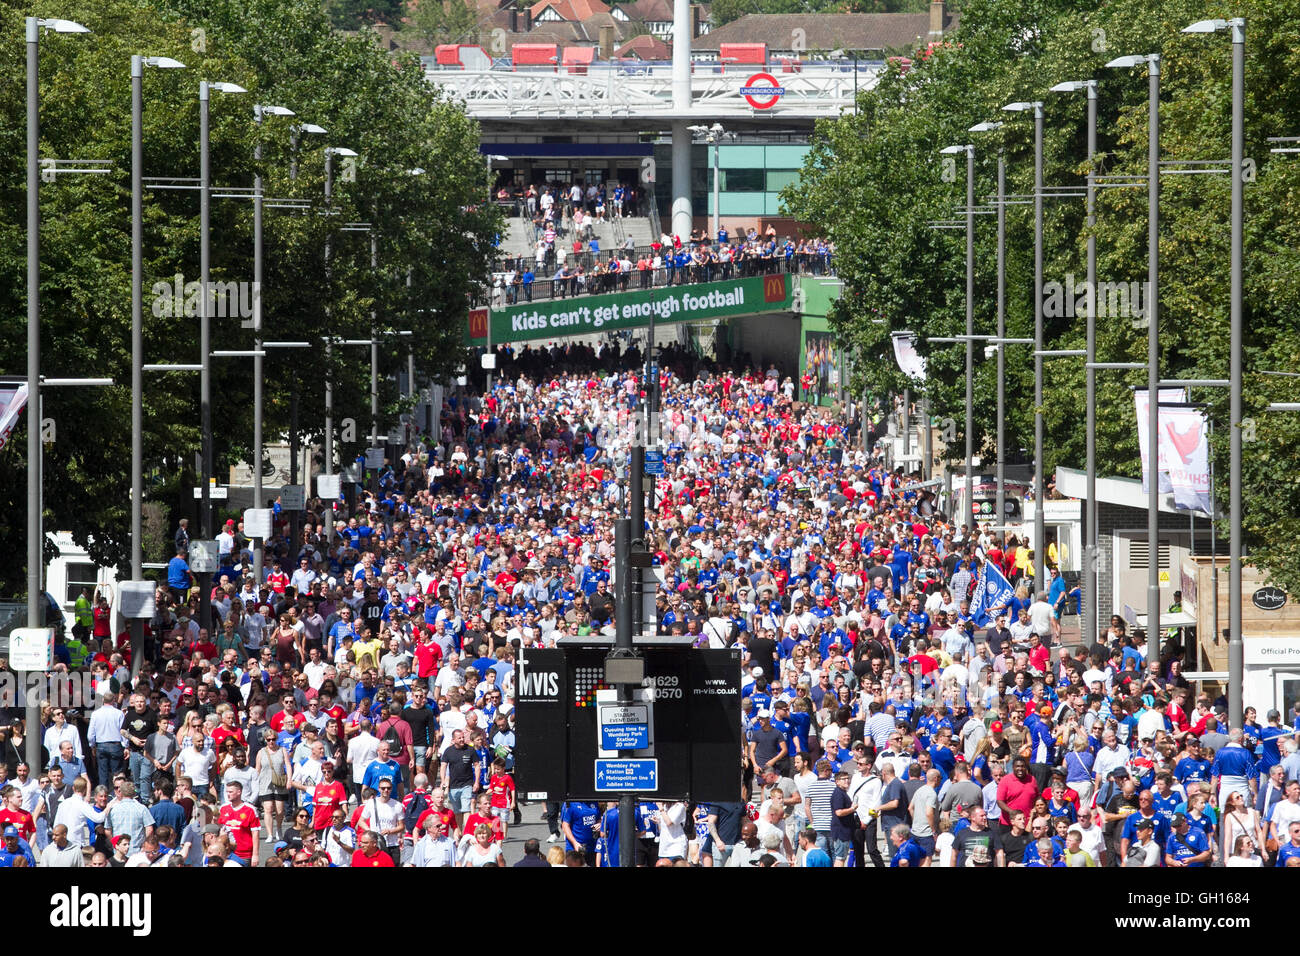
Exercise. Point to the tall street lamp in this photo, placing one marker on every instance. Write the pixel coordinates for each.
(138, 63)
(1040, 525)
(1152, 60)
(1236, 663)
(1090, 622)
(1001, 495)
(330, 153)
(205, 331)
(35, 533)
(259, 110)
(969, 150)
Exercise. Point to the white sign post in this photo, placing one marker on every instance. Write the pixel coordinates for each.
(31, 648)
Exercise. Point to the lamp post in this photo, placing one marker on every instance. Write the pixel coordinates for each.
(1040, 527)
(1001, 309)
(969, 150)
(138, 63)
(205, 330)
(1236, 663)
(712, 135)
(259, 110)
(330, 153)
(1090, 622)
(1153, 333)
(35, 532)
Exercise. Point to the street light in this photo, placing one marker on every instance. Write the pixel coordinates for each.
(713, 135)
(1152, 60)
(205, 331)
(969, 150)
(259, 110)
(1090, 590)
(35, 533)
(138, 63)
(1236, 663)
(1040, 525)
(330, 153)
(1001, 495)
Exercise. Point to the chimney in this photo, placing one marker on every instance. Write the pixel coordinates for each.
(938, 14)
(528, 19)
(607, 41)
(514, 19)
(695, 20)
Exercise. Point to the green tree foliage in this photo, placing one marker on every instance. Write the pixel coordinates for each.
(443, 21)
(433, 228)
(724, 11)
(876, 178)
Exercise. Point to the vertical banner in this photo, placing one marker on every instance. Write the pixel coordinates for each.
(1167, 396)
(909, 360)
(1185, 445)
(13, 398)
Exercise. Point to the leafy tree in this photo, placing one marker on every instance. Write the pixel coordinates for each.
(432, 227)
(443, 21)
(875, 179)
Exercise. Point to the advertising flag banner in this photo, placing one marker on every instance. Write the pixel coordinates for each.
(13, 398)
(1167, 396)
(909, 360)
(1185, 446)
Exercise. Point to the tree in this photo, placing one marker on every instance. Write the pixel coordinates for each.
(436, 228)
(875, 179)
(443, 21)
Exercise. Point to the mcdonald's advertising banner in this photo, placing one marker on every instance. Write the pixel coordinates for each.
(547, 319)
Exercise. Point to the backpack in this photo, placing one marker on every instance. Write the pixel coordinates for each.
(394, 741)
(411, 815)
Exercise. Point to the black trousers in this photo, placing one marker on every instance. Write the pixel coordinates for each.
(865, 841)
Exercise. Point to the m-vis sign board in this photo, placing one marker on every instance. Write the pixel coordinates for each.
(542, 731)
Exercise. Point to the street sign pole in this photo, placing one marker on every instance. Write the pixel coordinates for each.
(623, 644)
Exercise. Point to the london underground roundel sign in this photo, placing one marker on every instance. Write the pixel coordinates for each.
(762, 91)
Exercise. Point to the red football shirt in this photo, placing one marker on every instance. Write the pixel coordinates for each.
(324, 798)
(240, 824)
(21, 819)
(380, 859)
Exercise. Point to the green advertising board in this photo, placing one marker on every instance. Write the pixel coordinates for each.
(556, 318)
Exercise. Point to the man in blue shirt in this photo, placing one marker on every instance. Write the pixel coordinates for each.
(15, 846)
(1232, 769)
(1187, 845)
(179, 578)
(578, 821)
(906, 851)
(1286, 851)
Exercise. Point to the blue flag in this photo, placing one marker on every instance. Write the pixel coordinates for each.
(992, 591)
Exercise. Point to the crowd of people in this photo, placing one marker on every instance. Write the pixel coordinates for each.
(551, 273)
(356, 708)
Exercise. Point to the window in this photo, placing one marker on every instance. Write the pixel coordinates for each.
(778, 179)
(742, 180)
(81, 574)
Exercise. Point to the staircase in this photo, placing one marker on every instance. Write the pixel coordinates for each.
(611, 234)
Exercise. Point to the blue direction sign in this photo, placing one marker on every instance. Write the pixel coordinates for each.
(635, 776)
(624, 726)
(654, 461)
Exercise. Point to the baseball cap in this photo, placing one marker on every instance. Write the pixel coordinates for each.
(1143, 824)
(11, 830)
(1177, 820)
(765, 712)
(996, 727)
(280, 845)
(1045, 709)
